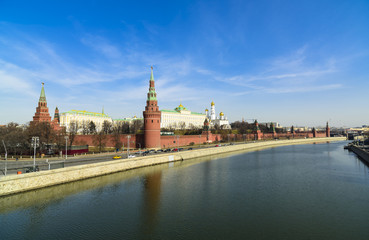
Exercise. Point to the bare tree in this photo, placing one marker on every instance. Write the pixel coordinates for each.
(182, 125)
(85, 127)
(106, 127)
(136, 126)
(99, 140)
(116, 137)
(91, 127)
(73, 131)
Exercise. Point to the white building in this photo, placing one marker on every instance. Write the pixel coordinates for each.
(222, 120)
(83, 117)
(127, 120)
(181, 118)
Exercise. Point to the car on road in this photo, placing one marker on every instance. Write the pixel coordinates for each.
(131, 156)
(31, 169)
(117, 157)
(175, 150)
(167, 150)
(189, 148)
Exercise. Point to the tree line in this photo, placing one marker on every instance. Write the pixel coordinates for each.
(17, 138)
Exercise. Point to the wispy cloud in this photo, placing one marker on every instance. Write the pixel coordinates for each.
(288, 74)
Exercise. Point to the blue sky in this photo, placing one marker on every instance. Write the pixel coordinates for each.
(295, 62)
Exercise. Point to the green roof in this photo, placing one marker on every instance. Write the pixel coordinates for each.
(87, 113)
(42, 95)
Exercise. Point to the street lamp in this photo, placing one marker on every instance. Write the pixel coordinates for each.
(129, 137)
(6, 159)
(35, 143)
(66, 147)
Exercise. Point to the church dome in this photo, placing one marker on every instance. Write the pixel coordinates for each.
(212, 103)
(221, 114)
(180, 105)
(206, 110)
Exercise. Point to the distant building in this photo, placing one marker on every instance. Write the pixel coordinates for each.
(127, 120)
(181, 118)
(42, 112)
(221, 121)
(83, 117)
(275, 124)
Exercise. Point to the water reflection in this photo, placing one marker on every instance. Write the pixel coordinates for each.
(152, 191)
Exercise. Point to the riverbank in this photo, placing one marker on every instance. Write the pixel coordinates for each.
(361, 152)
(30, 181)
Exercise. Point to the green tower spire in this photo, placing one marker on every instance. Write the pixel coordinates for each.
(152, 94)
(152, 74)
(42, 95)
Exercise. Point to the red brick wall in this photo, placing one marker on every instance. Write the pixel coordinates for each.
(137, 141)
(109, 142)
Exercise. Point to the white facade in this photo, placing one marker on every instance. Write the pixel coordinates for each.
(83, 117)
(181, 118)
(222, 120)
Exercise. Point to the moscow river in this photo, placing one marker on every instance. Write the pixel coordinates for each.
(318, 191)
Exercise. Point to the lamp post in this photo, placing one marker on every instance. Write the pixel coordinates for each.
(129, 137)
(66, 147)
(6, 159)
(35, 143)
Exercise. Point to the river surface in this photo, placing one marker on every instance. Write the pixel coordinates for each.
(318, 191)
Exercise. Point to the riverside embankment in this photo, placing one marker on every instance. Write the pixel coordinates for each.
(361, 152)
(30, 181)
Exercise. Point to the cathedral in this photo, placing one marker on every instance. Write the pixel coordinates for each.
(221, 121)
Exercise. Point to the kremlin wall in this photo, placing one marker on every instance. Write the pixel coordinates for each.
(153, 117)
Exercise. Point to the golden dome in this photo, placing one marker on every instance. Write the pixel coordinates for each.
(212, 103)
(221, 114)
(206, 110)
(180, 105)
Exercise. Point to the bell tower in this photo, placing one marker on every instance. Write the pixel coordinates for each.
(152, 117)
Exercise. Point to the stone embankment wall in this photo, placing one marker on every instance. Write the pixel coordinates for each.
(25, 182)
(361, 153)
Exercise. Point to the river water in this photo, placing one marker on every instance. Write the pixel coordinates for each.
(317, 191)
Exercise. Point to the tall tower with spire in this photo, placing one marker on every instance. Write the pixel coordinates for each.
(42, 111)
(152, 117)
(327, 130)
(212, 112)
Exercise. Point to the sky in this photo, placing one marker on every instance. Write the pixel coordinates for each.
(294, 62)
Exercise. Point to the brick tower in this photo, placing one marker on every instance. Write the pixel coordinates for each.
(152, 117)
(42, 111)
(257, 132)
(327, 131)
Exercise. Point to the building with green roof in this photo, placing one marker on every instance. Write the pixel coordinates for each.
(82, 117)
(181, 118)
